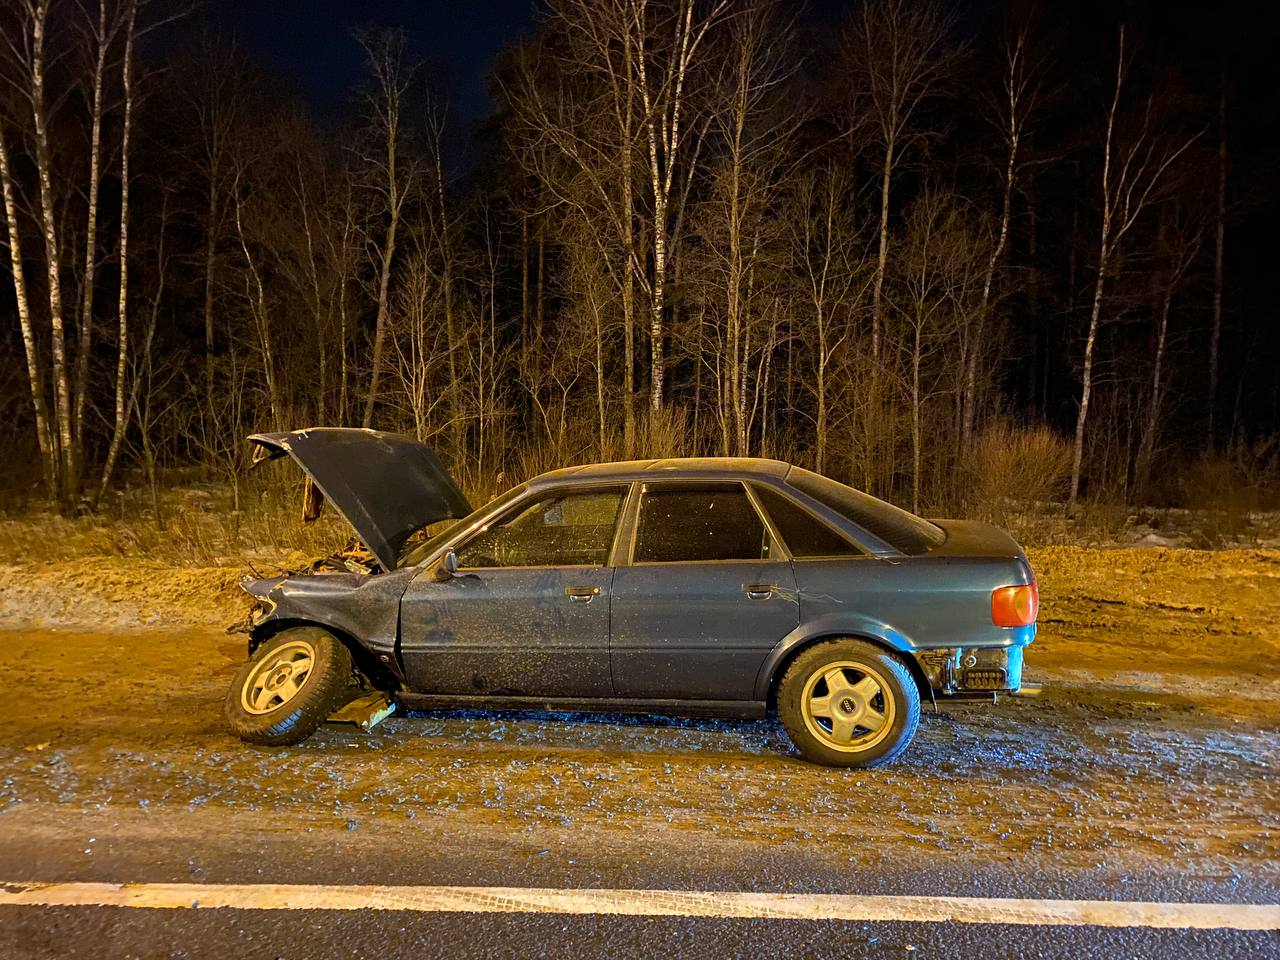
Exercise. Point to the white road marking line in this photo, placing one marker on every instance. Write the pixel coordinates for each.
(646, 903)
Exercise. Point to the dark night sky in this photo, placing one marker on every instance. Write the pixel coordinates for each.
(312, 41)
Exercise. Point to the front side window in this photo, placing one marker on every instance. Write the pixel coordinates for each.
(704, 522)
(558, 530)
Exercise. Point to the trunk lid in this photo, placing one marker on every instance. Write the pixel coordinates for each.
(972, 538)
(385, 485)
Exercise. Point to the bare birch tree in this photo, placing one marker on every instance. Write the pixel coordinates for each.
(1178, 244)
(941, 273)
(833, 277)
(579, 122)
(752, 131)
(611, 104)
(35, 364)
(102, 32)
(421, 344)
(663, 67)
(444, 239)
(390, 179)
(122, 311)
(215, 99)
(900, 55)
(1014, 107)
(32, 55)
(1219, 237)
(1133, 167)
(259, 308)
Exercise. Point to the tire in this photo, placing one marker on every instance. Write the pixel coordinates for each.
(288, 687)
(840, 728)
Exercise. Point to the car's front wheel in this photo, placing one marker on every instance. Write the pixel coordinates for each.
(848, 703)
(288, 687)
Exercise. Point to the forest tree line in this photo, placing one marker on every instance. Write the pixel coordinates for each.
(899, 252)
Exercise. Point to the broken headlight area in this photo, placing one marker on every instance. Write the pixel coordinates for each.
(960, 670)
(261, 608)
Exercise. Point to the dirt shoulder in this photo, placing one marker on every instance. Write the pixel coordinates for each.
(1192, 623)
(115, 592)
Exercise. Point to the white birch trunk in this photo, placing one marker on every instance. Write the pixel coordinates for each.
(35, 371)
(63, 435)
(103, 39)
(122, 315)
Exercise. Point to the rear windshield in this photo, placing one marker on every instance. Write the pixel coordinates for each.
(901, 530)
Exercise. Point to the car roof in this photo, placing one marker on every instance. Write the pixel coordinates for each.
(669, 468)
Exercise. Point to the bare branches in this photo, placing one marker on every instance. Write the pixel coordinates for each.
(900, 56)
(388, 176)
(1014, 108)
(1135, 162)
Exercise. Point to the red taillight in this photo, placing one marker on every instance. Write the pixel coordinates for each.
(1015, 606)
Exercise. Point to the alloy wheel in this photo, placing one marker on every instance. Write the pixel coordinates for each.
(278, 678)
(848, 706)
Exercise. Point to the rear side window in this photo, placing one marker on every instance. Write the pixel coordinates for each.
(902, 530)
(698, 522)
(804, 534)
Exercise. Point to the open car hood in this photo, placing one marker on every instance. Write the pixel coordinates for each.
(385, 485)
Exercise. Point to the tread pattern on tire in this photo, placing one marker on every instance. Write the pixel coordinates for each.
(802, 666)
(301, 716)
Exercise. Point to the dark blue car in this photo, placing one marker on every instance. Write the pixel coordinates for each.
(712, 586)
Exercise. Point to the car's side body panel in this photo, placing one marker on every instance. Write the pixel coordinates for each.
(694, 630)
(910, 605)
(508, 632)
(922, 602)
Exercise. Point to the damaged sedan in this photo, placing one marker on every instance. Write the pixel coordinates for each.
(709, 587)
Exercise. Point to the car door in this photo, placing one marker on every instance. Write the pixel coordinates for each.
(527, 613)
(705, 595)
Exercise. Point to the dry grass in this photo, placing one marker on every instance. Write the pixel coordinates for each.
(1015, 478)
(1229, 490)
(1014, 468)
(198, 527)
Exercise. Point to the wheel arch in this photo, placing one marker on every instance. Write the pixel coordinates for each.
(777, 667)
(362, 657)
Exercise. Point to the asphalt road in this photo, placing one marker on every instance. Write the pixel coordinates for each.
(114, 768)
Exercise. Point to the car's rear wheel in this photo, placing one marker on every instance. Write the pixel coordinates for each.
(288, 687)
(848, 703)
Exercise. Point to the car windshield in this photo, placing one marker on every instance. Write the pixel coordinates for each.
(901, 530)
(415, 551)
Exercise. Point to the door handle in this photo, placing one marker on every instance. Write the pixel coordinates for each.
(759, 591)
(581, 594)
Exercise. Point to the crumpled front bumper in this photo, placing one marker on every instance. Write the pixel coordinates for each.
(264, 604)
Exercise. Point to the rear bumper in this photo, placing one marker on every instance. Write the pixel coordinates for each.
(957, 671)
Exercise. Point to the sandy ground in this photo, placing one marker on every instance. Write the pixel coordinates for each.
(1154, 748)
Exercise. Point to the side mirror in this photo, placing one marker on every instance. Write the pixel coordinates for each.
(446, 567)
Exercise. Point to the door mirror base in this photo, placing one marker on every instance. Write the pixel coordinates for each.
(446, 568)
